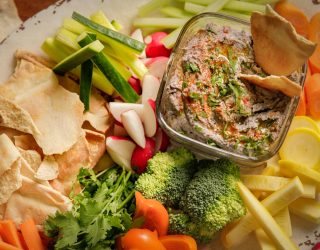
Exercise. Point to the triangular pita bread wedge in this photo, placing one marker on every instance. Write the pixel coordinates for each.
(97, 146)
(278, 49)
(56, 112)
(27, 142)
(278, 83)
(27, 171)
(13, 116)
(32, 157)
(8, 154)
(36, 201)
(48, 169)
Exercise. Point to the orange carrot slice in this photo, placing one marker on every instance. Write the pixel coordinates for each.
(294, 15)
(313, 96)
(9, 233)
(6, 246)
(31, 235)
(314, 35)
(302, 106)
(181, 242)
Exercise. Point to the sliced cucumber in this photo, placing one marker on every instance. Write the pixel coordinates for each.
(78, 57)
(100, 18)
(85, 83)
(133, 44)
(103, 63)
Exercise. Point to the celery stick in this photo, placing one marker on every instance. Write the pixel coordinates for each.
(171, 38)
(235, 14)
(159, 22)
(53, 50)
(201, 2)
(116, 25)
(171, 11)
(193, 7)
(86, 83)
(266, 1)
(100, 18)
(216, 5)
(102, 61)
(68, 38)
(244, 6)
(152, 6)
(78, 57)
(111, 35)
(73, 26)
(120, 67)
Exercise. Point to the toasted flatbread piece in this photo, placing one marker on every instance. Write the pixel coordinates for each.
(56, 112)
(8, 154)
(32, 157)
(277, 83)
(36, 201)
(96, 145)
(278, 49)
(13, 116)
(48, 169)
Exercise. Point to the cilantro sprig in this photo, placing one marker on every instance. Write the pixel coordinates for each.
(101, 211)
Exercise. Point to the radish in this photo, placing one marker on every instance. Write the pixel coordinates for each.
(132, 123)
(137, 34)
(150, 88)
(149, 118)
(140, 156)
(162, 141)
(117, 108)
(135, 84)
(118, 129)
(158, 67)
(155, 47)
(120, 149)
(148, 61)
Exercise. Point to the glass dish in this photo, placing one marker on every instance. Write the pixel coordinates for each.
(200, 148)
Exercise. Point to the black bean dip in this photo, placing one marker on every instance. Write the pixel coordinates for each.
(205, 100)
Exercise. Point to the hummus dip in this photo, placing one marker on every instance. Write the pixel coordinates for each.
(205, 100)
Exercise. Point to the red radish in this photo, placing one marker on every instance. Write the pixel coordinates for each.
(120, 149)
(154, 45)
(148, 61)
(137, 34)
(162, 141)
(118, 129)
(135, 84)
(140, 156)
(117, 108)
(132, 123)
(316, 246)
(158, 67)
(150, 88)
(150, 118)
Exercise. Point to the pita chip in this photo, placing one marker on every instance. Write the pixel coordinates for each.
(8, 152)
(97, 146)
(13, 116)
(27, 171)
(48, 169)
(277, 83)
(278, 49)
(32, 157)
(36, 201)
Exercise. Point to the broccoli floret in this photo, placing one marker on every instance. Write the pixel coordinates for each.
(211, 199)
(181, 223)
(167, 176)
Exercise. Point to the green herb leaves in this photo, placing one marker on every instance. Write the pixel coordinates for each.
(190, 67)
(101, 211)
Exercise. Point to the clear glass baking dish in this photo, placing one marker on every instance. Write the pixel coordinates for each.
(200, 148)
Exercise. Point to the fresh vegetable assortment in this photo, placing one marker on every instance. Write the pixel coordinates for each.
(141, 196)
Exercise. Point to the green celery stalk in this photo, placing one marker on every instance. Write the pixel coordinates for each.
(73, 26)
(78, 57)
(244, 6)
(216, 5)
(126, 74)
(55, 51)
(171, 11)
(100, 18)
(199, 2)
(102, 62)
(111, 35)
(235, 14)
(152, 6)
(159, 22)
(266, 1)
(86, 83)
(170, 40)
(193, 7)
(116, 25)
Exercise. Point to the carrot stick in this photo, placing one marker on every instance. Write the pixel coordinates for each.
(6, 246)
(294, 15)
(31, 235)
(9, 233)
(181, 242)
(302, 106)
(314, 35)
(23, 243)
(313, 96)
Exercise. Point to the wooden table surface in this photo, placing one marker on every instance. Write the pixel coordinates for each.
(27, 8)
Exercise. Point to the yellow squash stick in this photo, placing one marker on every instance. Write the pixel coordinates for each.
(263, 240)
(268, 171)
(273, 203)
(308, 209)
(265, 220)
(263, 182)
